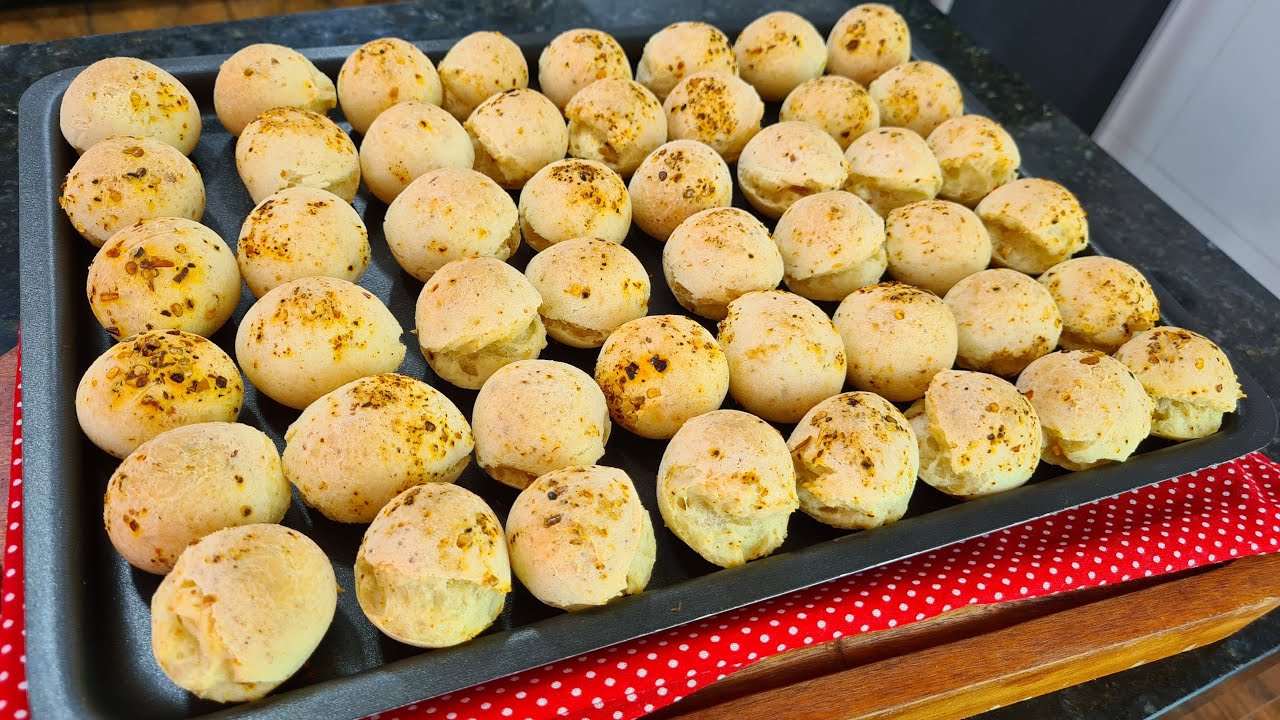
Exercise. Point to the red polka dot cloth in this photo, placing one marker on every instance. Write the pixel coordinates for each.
(1228, 511)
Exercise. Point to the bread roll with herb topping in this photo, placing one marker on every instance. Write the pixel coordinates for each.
(1004, 320)
(263, 76)
(1034, 224)
(474, 316)
(301, 232)
(187, 482)
(918, 96)
(1104, 302)
(163, 274)
(153, 382)
(866, 41)
(977, 434)
(779, 51)
(832, 243)
(313, 335)
(715, 108)
(1187, 376)
(433, 570)
(571, 199)
(716, 256)
(128, 96)
(892, 167)
(897, 337)
(676, 181)
(589, 287)
(838, 105)
(382, 73)
(515, 134)
(616, 122)
(478, 67)
(976, 156)
(535, 416)
(934, 244)
(659, 371)
(287, 147)
(577, 58)
(580, 538)
(727, 488)
(786, 162)
(680, 50)
(124, 179)
(450, 214)
(408, 141)
(242, 611)
(785, 355)
(355, 448)
(1092, 409)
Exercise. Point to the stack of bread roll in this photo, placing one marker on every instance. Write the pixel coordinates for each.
(935, 322)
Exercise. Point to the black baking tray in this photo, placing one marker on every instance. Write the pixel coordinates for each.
(88, 643)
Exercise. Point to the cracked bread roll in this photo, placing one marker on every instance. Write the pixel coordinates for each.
(897, 337)
(188, 482)
(856, 461)
(580, 538)
(832, 243)
(124, 179)
(571, 199)
(866, 41)
(891, 167)
(715, 108)
(301, 232)
(128, 96)
(163, 274)
(408, 141)
(313, 335)
(778, 52)
(287, 147)
(616, 122)
(785, 355)
(659, 371)
(242, 611)
(153, 382)
(934, 244)
(450, 214)
(1004, 319)
(263, 76)
(1104, 302)
(727, 488)
(515, 134)
(575, 59)
(1092, 409)
(535, 416)
(717, 255)
(676, 181)
(1188, 378)
(355, 448)
(478, 67)
(977, 434)
(1034, 224)
(918, 96)
(474, 316)
(382, 73)
(838, 105)
(976, 155)
(680, 50)
(789, 161)
(589, 287)
(433, 570)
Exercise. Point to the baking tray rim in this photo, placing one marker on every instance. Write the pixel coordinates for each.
(53, 599)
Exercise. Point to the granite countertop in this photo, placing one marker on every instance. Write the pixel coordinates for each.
(1137, 226)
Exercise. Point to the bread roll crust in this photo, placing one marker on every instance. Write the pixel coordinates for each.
(616, 122)
(1005, 320)
(976, 155)
(896, 337)
(891, 167)
(1034, 224)
(836, 104)
(575, 59)
(934, 244)
(263, 76)
(1187, 376)
(1104, 302)
(675, 182)
(478, 67)
(128, 96)
(589, 287)
(515, 134)
(789, 161)
(382, 73)
(866, 41)
(407, 141)
(717, 255)
(574, 198)
(301, 232)
(831, 243)
(285, 147)
(680, 50)
(917, 95)
(779, 51)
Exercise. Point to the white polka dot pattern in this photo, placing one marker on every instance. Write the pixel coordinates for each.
(1228, 511)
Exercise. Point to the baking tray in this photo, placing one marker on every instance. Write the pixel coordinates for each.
(88, 642)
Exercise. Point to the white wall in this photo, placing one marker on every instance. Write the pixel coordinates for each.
(1198, 120)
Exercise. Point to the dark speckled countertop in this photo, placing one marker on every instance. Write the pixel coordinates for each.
(1137, 226)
